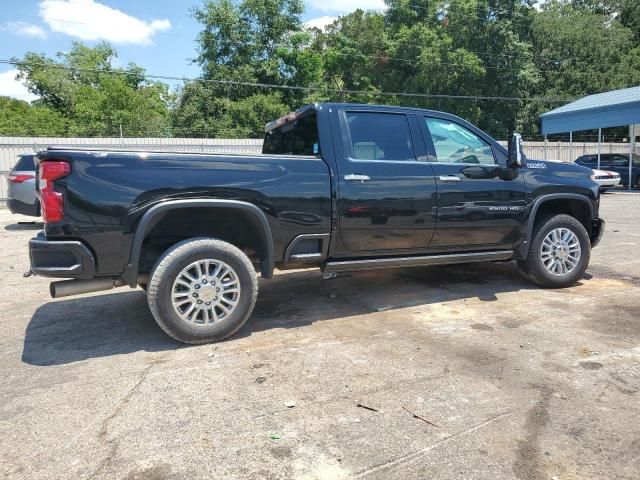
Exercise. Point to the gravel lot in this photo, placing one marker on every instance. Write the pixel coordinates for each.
(465, 372)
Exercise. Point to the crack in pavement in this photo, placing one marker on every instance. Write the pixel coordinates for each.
(411, 457)
(112, 444)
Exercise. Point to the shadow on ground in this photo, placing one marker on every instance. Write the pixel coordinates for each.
(35, 225)
(67, 331)
(301, 298)
(72, 330)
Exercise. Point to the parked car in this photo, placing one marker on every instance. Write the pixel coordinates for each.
(615, 162)
(21, 195)
(371, 187)
(606, 179)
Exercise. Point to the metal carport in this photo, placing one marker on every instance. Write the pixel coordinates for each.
(610, 109)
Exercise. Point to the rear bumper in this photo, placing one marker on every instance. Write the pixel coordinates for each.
(22, 208)
(61, 259)
(597, 230)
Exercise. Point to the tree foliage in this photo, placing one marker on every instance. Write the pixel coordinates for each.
(239, 44)
(92, 96)
(440, 48)
(259, 61)
(19, 119)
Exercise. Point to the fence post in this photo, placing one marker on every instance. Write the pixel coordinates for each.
(570, 144)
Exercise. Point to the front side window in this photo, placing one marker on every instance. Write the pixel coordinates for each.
(379, 136)
(620, 161)
(456, 144)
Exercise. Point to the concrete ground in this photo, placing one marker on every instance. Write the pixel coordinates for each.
(457, 372)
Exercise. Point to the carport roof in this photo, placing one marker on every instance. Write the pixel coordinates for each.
(610, 109)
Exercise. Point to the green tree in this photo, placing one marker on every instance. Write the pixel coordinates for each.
(19, 118)
(94, 97)
(254, 41)
(439, 49)
(579, 50)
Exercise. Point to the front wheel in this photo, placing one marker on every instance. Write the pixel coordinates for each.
(559, 252)
(202, 290)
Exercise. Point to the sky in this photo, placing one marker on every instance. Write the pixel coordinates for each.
(158, 35)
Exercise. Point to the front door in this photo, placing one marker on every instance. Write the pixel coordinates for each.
(481, 203)
(386, 197)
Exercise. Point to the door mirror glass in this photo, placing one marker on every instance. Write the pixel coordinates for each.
(515, 155)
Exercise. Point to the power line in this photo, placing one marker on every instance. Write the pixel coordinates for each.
(346, 54)
(276, 44)
(291, 87)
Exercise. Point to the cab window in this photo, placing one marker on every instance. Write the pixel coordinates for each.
(456, 144)
(299, 137)
(379, 136)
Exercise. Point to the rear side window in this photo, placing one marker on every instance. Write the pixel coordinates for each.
(379, 136)
(605, 161)
(299, 137)
(457, 144)
(25, 163)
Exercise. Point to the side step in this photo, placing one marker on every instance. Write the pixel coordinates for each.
(446, 259)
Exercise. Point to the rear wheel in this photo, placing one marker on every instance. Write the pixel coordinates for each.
(202, 290)
(559, 252)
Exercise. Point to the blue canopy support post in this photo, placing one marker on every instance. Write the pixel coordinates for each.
(599, 144)
(545, 147)
(632, 137)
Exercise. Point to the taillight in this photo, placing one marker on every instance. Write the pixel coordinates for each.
(51, 201)
(20, 178)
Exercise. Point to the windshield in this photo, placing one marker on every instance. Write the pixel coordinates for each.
(299, 137)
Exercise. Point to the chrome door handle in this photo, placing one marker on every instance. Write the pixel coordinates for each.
(449, 178)
(354, 177)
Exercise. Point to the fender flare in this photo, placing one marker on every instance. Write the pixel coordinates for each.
(154, 214)
(523, 248)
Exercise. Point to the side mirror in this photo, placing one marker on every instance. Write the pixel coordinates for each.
(515, 154)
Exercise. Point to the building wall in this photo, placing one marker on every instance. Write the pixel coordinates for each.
(11, 147)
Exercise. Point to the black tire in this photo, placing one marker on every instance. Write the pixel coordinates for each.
(172, 263)
(533, 267)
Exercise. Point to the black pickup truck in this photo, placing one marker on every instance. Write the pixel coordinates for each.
(338, 186)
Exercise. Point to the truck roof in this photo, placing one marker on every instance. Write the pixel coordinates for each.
(292, 116)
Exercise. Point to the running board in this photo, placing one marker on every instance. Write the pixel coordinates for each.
(447, 259)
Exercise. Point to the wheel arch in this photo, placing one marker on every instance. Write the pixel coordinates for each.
(156, 213)
(573, 204)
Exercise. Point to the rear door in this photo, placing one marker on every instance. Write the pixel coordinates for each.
(386, 197)
(481, 203)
